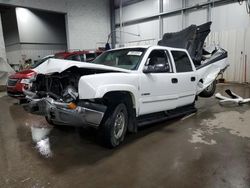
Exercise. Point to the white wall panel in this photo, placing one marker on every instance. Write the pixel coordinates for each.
(230, 17)
(172, 23)
(233, 41)
(2, 45)
(138, 10)
(13, 54)
(88, 23)
(194, 2)
(231, 29)
(35, 52)
(148, 31)
(169, 5)
(247, 55)
(196, 17)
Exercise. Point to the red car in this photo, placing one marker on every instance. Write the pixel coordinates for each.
(20, 80)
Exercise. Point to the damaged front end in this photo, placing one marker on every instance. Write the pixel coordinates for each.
(55, 96)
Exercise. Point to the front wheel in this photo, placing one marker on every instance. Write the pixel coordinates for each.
(209, 91)
(114, 126)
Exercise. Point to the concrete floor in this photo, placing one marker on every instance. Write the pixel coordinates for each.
(208, 149)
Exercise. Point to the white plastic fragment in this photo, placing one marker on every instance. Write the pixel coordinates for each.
(238, 99)
(43, 147)
(39, 133)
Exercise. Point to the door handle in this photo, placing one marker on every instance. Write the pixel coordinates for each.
(174, 80)
(193, 79)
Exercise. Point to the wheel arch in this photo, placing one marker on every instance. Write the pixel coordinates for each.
(127, 97)
(105, 90)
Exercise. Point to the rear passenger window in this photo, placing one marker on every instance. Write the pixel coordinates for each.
(182, 62)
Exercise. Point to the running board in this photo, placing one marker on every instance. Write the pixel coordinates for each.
(165, 115)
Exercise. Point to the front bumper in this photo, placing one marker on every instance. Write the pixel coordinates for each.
(85, 114)
(15, 89)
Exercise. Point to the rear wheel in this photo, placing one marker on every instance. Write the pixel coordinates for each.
(209, 91)
(114, 126)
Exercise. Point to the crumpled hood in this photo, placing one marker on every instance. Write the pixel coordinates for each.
(59, 65)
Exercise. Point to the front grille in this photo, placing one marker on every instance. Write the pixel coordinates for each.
(12, 82)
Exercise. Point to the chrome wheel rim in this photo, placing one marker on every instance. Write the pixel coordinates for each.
(119, 125)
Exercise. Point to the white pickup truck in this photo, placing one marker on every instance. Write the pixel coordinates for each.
(123, 88)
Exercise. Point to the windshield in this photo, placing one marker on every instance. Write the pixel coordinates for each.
(128, 58)
(39, 62)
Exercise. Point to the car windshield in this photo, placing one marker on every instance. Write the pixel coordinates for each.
(39, 62)
(128, 58)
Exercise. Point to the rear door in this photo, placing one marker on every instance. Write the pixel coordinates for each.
(185, 77)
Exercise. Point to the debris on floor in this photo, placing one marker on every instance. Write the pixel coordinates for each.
(43, 147)
(234, 98)
(39, 133)
(40, 137)
(27, 179)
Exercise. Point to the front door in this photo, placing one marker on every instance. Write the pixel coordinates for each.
(158, 90)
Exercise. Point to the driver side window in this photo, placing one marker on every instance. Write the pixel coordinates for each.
(159, 60)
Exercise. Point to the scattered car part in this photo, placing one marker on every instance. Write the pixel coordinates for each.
(234, 98)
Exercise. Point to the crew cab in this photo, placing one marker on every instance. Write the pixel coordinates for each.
(123, 88)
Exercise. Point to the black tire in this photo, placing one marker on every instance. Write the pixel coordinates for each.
(114, 126)
(209, 91)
